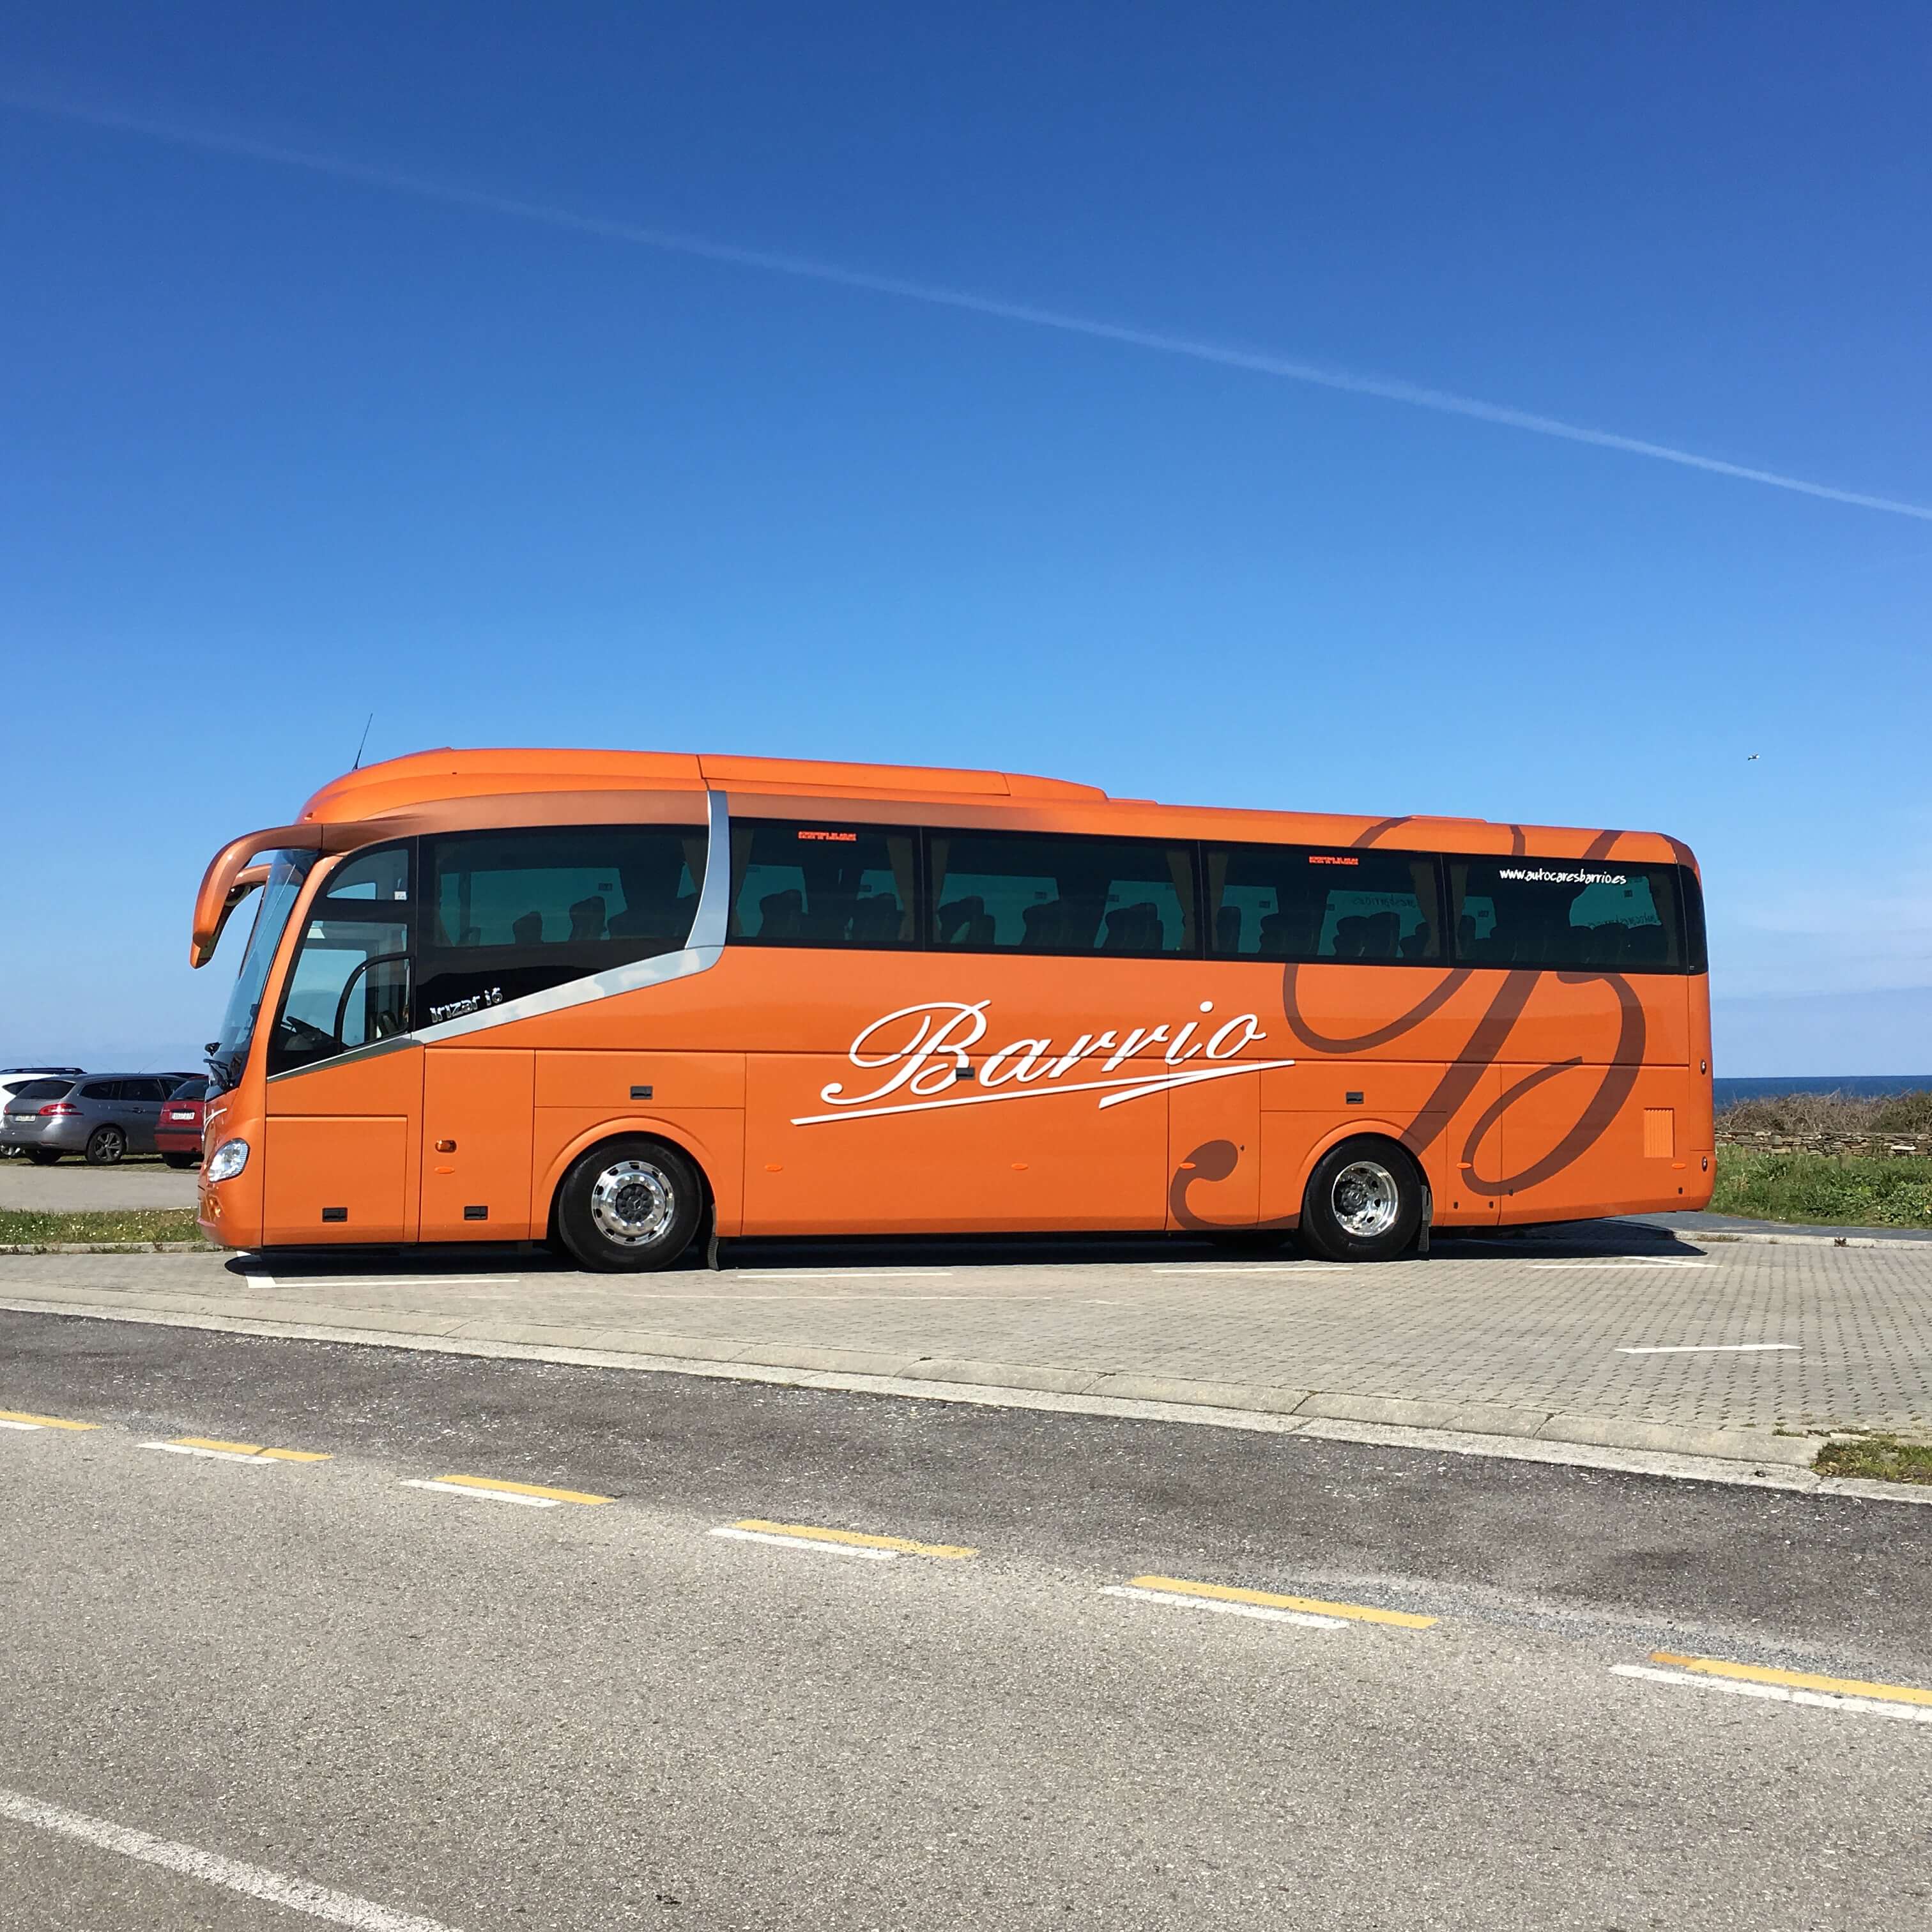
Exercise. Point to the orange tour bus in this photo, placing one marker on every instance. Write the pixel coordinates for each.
(614, 1001)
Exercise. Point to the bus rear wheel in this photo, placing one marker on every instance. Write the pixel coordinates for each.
(628, 1206)
(1363, 1202)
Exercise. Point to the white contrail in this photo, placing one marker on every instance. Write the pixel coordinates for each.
(1389, 388)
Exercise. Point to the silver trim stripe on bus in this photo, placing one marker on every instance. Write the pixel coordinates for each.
(701, 952)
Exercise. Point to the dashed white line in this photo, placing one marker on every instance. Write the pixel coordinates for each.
(1661, 1261)
(6, 1424)
(213, 1455)
(482, 1496)
(860, 1550)
(1864, 1707)
(1710, 1348)
(318, 1901)
(1224, 1609)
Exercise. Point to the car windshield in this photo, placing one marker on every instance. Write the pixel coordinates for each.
(279, 891)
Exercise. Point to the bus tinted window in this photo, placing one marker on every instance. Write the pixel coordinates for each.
(1567, 912)
(508, 913)
(1019, 891)
(821, 885)
(1288, 902)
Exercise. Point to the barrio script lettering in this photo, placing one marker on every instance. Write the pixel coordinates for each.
(919, 1056)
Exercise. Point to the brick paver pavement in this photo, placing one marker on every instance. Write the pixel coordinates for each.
(1501, 1338)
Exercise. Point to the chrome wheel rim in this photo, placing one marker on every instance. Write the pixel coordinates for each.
(1365, 1199)
(631, 1203)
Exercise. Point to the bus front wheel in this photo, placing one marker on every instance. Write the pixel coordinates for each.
(1363, 1203)
(628, 1206)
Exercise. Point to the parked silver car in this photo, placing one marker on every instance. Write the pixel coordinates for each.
(12, 1079)
(103, 1116)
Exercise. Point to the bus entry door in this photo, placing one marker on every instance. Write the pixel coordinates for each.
(477, 1115)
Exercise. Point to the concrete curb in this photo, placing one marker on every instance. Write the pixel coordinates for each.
(1749, 1456)
(107, 1248)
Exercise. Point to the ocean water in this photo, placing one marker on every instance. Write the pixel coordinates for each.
(1867, 1086)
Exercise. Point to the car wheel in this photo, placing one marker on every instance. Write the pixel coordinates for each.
(105, 1145)
(43, 1156)
(628, 1206)
(1363, 1202)
(182, 1159)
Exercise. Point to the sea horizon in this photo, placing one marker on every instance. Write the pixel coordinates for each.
(1728, 1090)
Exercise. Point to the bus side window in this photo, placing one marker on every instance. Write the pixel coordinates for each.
(1292, 903)
(1567, 914)
(508, 913)
(1029, 891)
(821, 885)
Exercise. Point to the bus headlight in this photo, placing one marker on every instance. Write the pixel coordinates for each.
(228, 1160)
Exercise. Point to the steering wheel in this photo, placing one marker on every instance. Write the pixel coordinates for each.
(308, 1038)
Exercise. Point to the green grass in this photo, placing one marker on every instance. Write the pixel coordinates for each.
(18, 1225)
(1857, 1192)
(1883, 1459)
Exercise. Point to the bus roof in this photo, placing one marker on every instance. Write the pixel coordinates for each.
(426, 780)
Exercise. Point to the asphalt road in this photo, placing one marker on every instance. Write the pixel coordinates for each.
(430, 1701)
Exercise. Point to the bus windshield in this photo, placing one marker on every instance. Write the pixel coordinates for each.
(279, 891)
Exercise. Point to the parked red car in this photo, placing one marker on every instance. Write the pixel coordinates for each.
(178, 1132)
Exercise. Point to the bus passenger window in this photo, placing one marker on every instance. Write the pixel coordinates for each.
(1289, 903)
(1567, 914)
(821, 885)
(1025, 891)
(510, 913)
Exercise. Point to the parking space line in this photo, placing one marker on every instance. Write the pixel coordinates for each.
(18, 1418)
(1239, 1267)
(732, 1532)
(1781, 1694)
(497, 1486)
(1795, 1680)
(1228, 1593)
(1266, 1611)
(317, 1901)
(1660, 1261)
(836, 1274)
(900, 1546)
(1713, 1348)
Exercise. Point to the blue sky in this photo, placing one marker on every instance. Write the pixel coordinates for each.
(285, 445)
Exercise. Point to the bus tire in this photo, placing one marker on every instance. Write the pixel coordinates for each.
(628, 1206)
(1363, 1202)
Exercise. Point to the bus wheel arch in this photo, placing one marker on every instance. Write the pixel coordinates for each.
(628, 1201)
(1363, 1199)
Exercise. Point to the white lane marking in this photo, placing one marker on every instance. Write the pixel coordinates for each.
(1240, 1268)
(1781, 1693)
(381, 1281)
(318, 1901)
(835, 1274)
(808, 1543)
(18, 1425)
(213, 1455)
(480, 1496)
(1662, 1261)
(793, 1299)
(1712, 1348)
(1220, 1609)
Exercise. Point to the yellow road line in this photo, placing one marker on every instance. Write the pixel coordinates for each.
(523, 1489)
(1227, 1593)
(810, 1533)
(1794, 1680)
(43, 1421)
(251, 1449)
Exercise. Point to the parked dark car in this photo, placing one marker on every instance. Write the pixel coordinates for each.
(103, 1116)
(178, 1133)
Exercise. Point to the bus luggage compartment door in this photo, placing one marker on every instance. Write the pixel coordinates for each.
(478, 1105)
(336, 1165)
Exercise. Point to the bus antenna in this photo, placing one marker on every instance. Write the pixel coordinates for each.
(361, 741)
